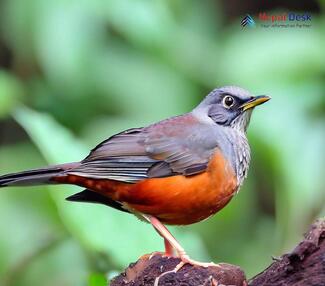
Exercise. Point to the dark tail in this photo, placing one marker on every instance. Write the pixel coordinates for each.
(35, 177)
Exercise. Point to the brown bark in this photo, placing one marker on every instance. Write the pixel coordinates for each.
(304, 266)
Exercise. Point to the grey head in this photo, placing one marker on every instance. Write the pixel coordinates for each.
(228, 110)
(230, 106)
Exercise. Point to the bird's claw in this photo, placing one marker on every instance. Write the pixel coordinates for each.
(185, 259)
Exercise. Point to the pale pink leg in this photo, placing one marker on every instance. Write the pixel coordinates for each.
(169, 249)
(171, 242)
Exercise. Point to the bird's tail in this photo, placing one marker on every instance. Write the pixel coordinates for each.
(35, 177)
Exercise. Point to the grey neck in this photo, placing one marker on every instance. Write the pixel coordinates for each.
(235, 146)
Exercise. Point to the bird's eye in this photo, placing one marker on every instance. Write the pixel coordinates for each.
(228, 101)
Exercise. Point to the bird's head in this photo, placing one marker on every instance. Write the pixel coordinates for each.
(231, 106)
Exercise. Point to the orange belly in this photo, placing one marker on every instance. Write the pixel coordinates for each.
(184, 200)
(173, 200)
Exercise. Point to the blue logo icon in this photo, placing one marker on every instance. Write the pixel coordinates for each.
(247, 21)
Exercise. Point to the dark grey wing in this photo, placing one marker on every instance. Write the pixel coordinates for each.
(121, 157)
(185, 149)
(130, 169)
(126, 143)
(180, 145)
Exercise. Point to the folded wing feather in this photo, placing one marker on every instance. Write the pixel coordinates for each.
(180, 145)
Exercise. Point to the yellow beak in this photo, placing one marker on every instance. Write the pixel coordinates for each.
(257, 100)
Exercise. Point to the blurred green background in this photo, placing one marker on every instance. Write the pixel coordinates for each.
(72, 73)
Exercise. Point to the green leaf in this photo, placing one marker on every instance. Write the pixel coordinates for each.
(10, 93)
(97, 279)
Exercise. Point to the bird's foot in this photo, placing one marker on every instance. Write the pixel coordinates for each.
(185, 259)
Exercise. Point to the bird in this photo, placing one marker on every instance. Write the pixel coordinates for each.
(177, 171)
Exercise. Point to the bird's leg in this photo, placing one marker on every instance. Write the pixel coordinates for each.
(169, 249)
(171, 242)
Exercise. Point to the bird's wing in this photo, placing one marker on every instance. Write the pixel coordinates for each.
(180, 145)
